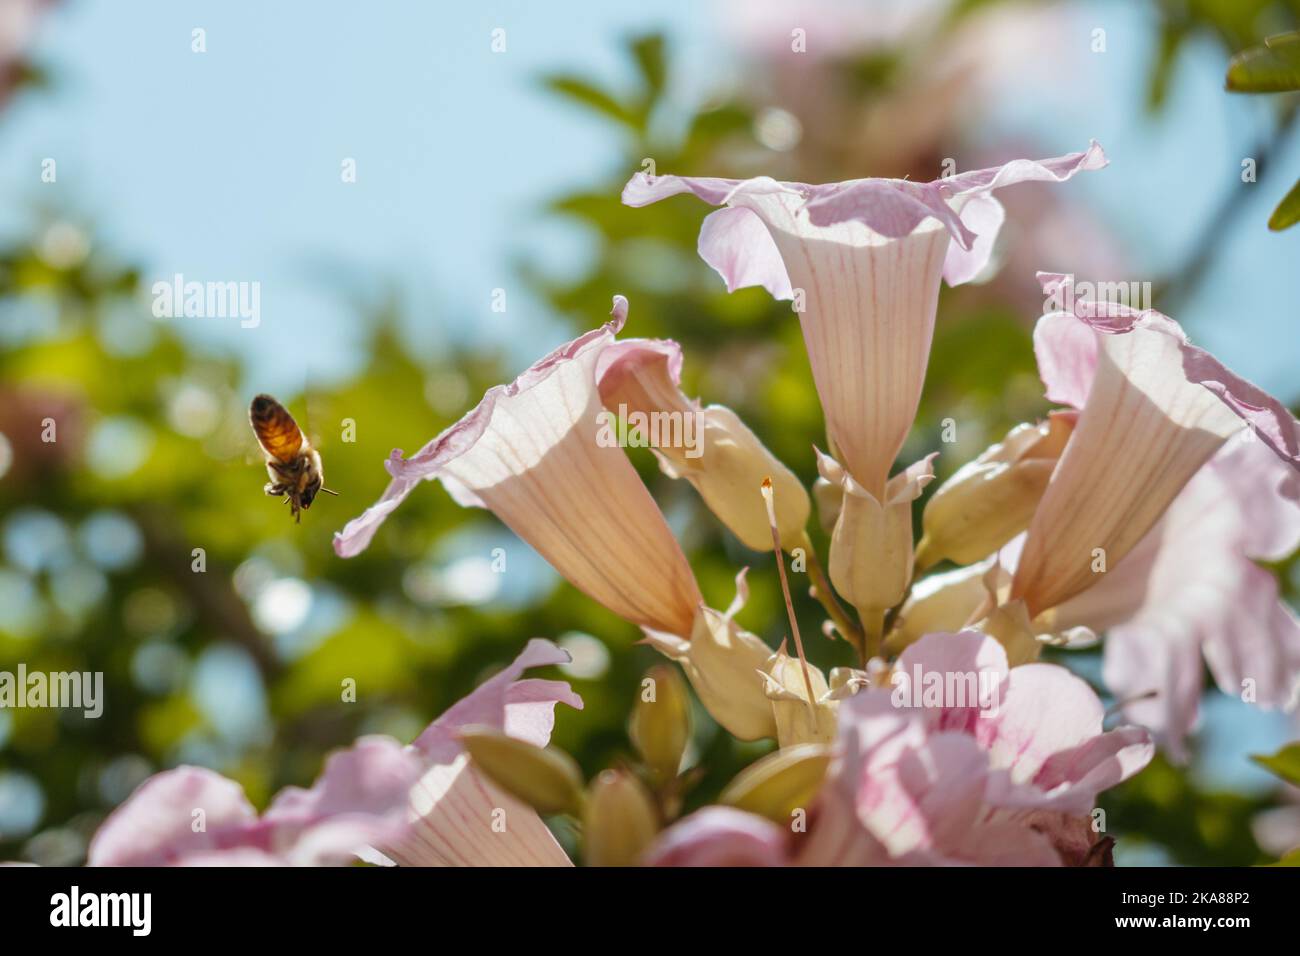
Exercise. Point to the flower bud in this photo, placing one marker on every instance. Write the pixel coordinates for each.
(871, 546)
(799, 720)
(548, 780)
(710, 447)
(1009, 624)
(724, 664)
(990, 500)
(780, 783)
(732, 465)
(620, 820)
(661, 725)
(942, 603)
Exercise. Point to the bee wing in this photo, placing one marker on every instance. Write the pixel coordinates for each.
(315, 406)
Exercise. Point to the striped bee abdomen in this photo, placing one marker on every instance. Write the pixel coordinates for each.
(276, 431)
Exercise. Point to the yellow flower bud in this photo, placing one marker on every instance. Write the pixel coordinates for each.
(942, 602)
(990, 500)
(727, 474)
(798, 720)
(780, 783)
(620, 820)
(1009, 624)
(722, 661)
(661, 722)
(871, 546)
(546, 779)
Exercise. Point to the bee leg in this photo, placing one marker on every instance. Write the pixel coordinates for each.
(275, 489)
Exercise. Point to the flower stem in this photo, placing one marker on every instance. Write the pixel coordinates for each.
(768, 500)
(873, 628)
(821, 590)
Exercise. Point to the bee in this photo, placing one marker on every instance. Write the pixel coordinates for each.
(291, 462)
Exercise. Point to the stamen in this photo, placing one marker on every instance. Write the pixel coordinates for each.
(768, 500)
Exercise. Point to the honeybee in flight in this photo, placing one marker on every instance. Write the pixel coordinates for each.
(292, 463)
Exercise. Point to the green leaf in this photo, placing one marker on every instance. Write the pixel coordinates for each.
(1271, 68)
(1287, 213)
(1285, 763)
(1291, 859)
(648, 51)
(592, 97)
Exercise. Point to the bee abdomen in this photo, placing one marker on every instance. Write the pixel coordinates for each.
(275, 428)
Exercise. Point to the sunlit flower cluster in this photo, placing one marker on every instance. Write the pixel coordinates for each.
(1137, 510)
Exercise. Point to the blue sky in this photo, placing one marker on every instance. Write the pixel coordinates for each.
(226, 165)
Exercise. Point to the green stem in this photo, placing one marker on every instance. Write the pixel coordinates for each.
(821, 588)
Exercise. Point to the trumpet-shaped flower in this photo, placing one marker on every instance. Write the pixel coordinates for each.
(420, 805)
(532, 453)
(1191, 586)
(996, 765)
(862, 261)
(1154, 409)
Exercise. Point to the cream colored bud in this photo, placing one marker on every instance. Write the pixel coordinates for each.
(1009, 624)
(798, 720)
(721, 660)
(941, 603)
(990, 500)
(661, 722)
(871, 546)
(780, 783)
(546, 779)
(620, 820)
(727, 473)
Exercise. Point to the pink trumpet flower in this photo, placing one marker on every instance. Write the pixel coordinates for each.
(538, 454)
(862, 261)
(1154, 409)
(420, 805)
(531, 452)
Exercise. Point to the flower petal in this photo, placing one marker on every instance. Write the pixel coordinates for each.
(983, 215)
(1057, 170)
(459, 818)
(155, 826)
(1268, 417)
(720, 836)
(521, 708)
(737, 245)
